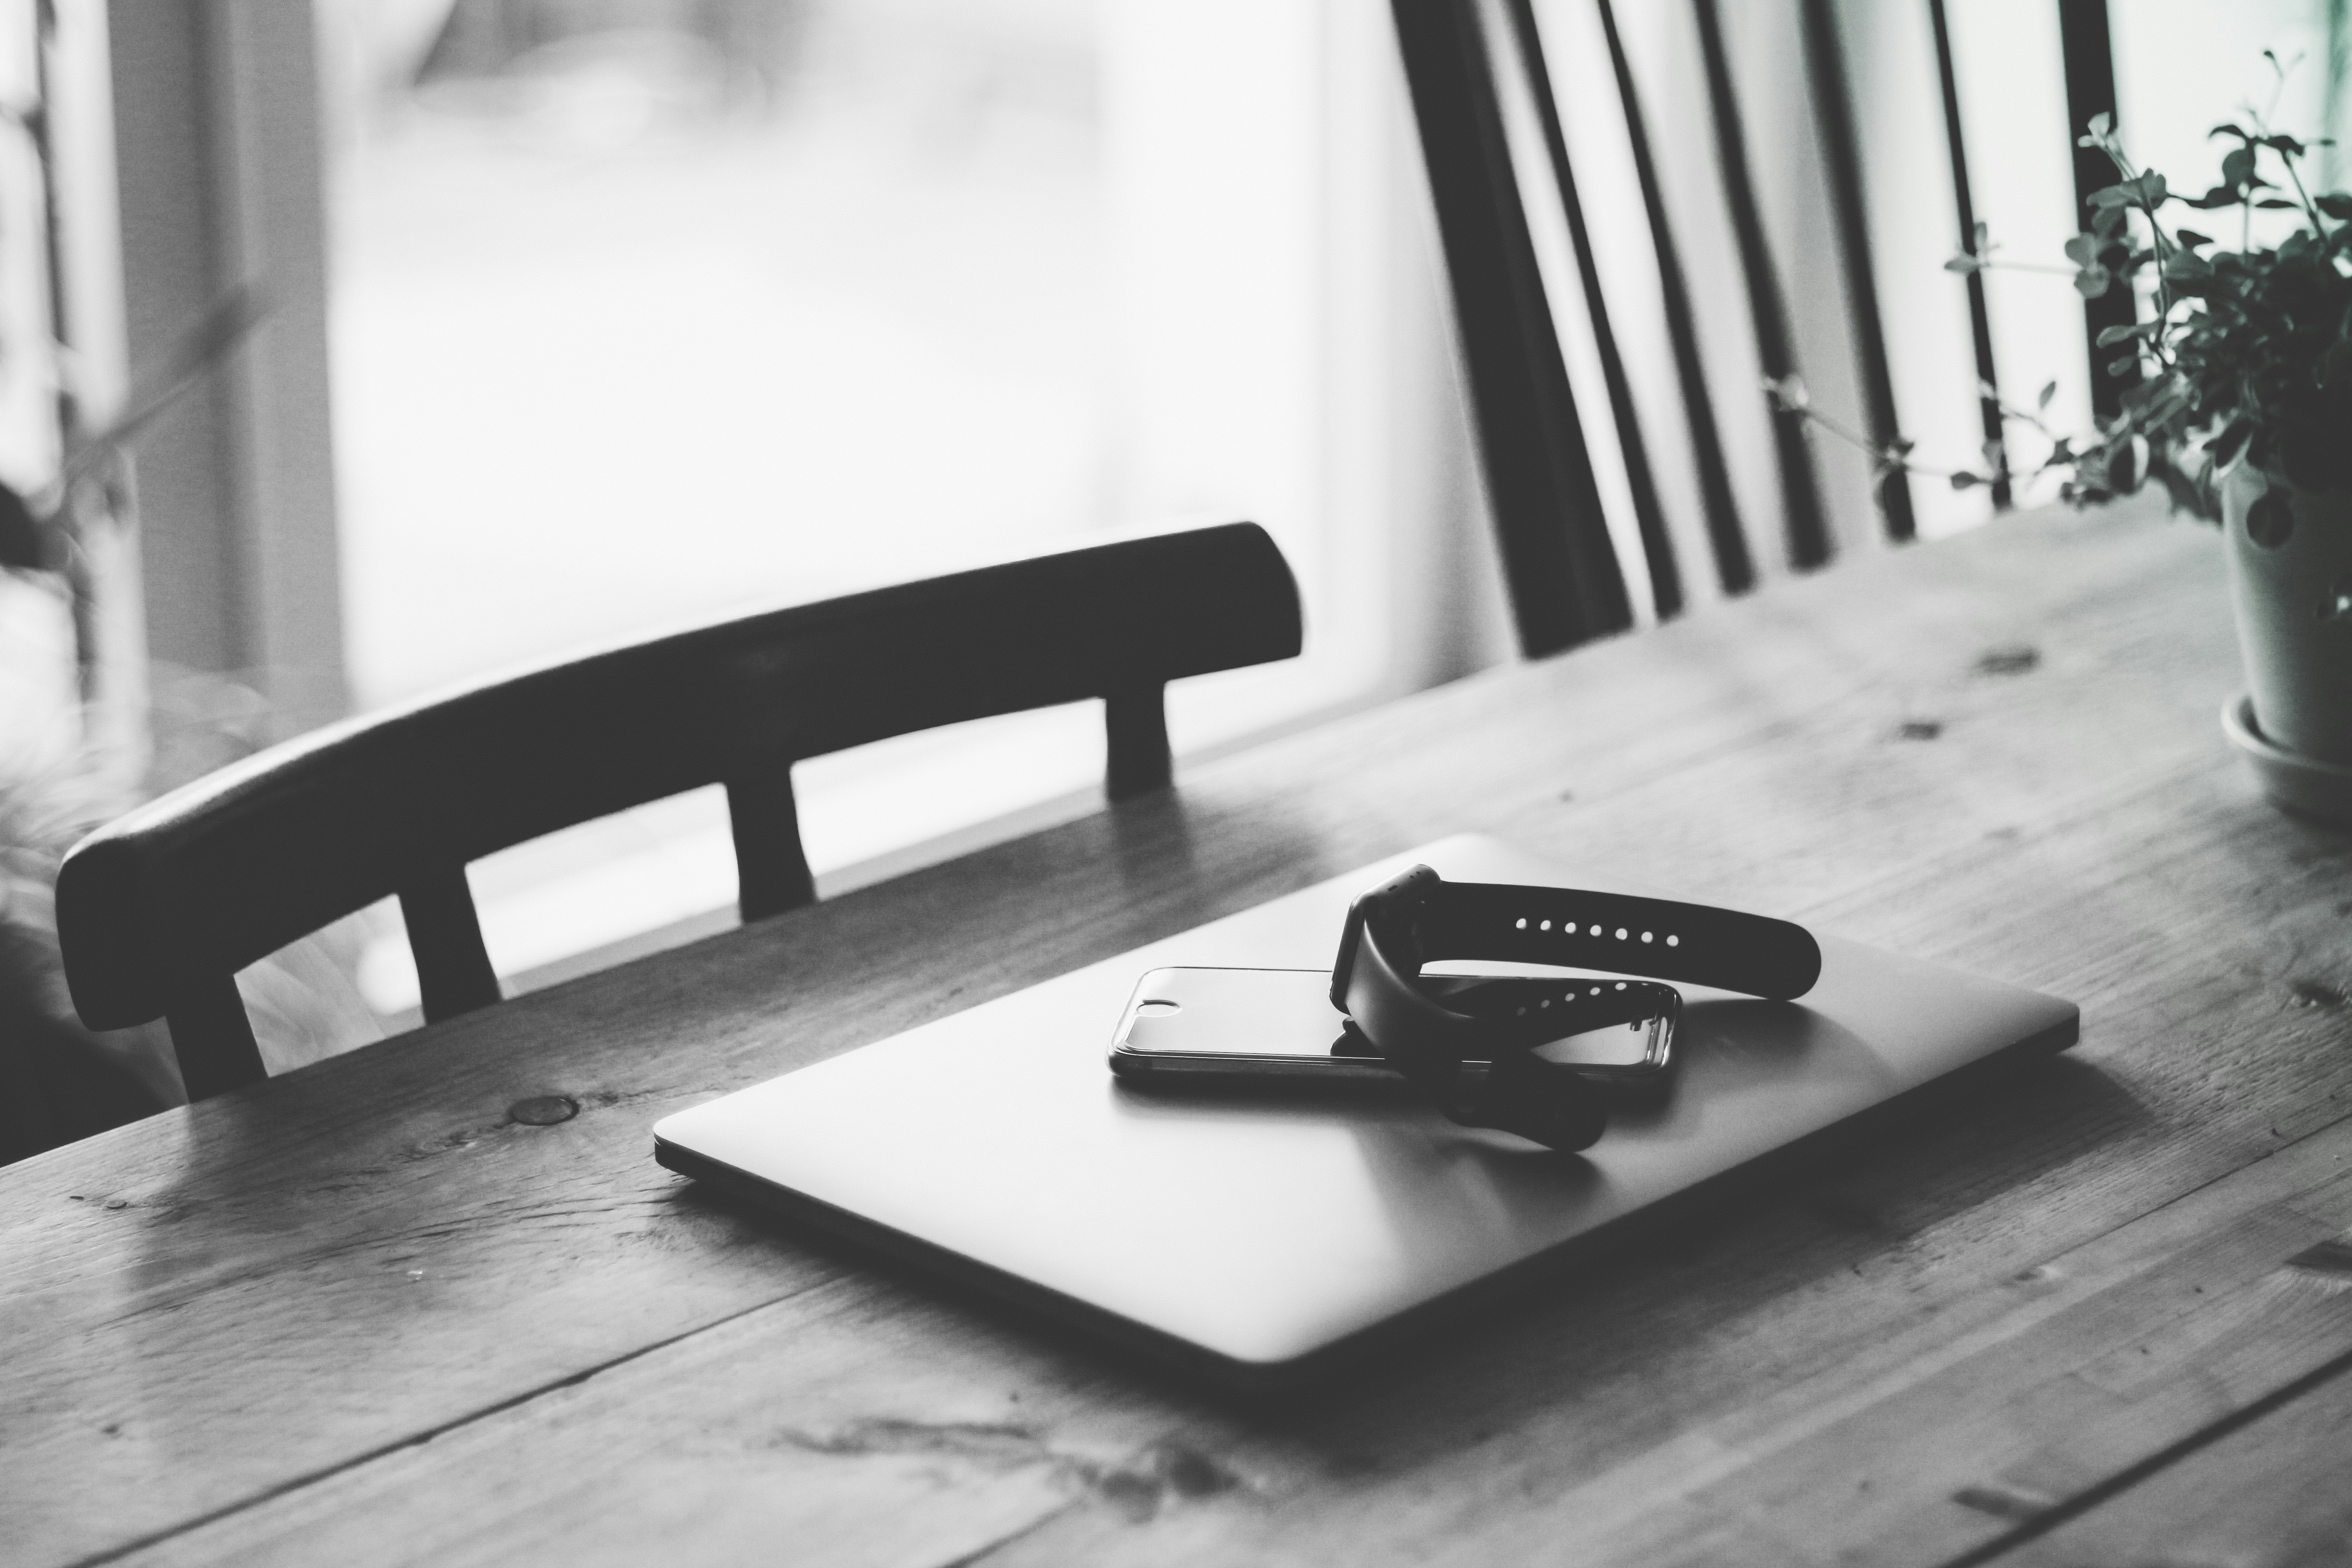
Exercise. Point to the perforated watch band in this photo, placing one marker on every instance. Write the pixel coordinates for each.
(1419, 918)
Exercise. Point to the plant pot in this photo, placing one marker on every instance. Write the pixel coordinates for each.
(2291, 574)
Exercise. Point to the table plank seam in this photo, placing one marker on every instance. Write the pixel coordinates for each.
(2123, 1481)
(1607, 1506)
(1013, 1537)
(417, 1439)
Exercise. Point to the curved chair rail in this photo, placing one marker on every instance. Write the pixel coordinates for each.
(158, 910)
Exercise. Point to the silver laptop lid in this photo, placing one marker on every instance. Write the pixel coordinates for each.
(1257, 1234)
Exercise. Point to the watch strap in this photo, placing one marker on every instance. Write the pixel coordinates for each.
(1656, 938)
(1418, 918)
(1428, 1043)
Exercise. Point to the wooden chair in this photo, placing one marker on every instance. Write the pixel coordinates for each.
(1491, 136)
(158, 910)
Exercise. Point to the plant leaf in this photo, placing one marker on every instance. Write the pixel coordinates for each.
(2334, 204)
(23, 547)
(2225, 445)
(2335, 366)
(2048, 392)
(1965, 480)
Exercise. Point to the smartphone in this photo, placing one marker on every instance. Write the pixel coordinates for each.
(1187, 1028)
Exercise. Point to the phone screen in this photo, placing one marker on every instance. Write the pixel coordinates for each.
(1254, 1021)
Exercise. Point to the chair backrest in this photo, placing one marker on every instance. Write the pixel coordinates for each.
(158, 910)
(1485, 78)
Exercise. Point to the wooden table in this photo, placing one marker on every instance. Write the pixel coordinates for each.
(362, 1314)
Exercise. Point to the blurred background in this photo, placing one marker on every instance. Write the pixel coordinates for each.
(643, 311)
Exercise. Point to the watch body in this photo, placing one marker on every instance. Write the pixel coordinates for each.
(1419, 918)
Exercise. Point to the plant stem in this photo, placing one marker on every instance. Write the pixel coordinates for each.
(2050, 267)
(2303, 195)
(1885, 459)
(2287, 159)
(2113, 150)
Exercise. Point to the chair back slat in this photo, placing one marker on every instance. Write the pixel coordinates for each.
(1469, 63)
(1842, 161)
(1559, 565)
(772, 868)
(1135, 725)
(1540, 81)
(155, 907)
(1768, 312)
(1641, 484)
(211, 1034)
(1727, 536)
(2087, 45)
(1964, 210)
(444, 933)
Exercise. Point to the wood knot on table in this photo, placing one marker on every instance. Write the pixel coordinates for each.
(544, 1110)
(2003, 1501)
(2014, 659)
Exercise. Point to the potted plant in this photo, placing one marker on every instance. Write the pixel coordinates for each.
(2243, 411)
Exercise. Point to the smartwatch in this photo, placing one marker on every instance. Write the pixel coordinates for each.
(1419, 918)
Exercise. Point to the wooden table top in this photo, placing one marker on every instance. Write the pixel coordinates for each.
(2104, 1314)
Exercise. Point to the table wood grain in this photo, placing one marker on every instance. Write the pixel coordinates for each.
(362, 1313)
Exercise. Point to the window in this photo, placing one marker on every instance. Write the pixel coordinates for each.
(643, 311)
